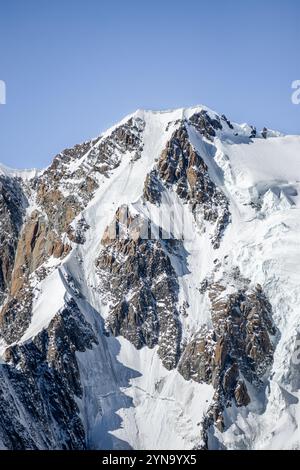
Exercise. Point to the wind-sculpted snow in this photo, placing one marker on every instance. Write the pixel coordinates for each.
(176, 326)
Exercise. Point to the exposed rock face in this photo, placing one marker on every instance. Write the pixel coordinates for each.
(36, 244)
(125, 138)
(153, 188)
(182, 167)
(241, 328)
(245, 318)
(39, 385)
(237, 346)
(197, 360)
(12, 209)
(224, 118)
(68, 185)
(141, 287)
(241, 395)
(205, 124)
(253, 132)
(101, 156)
(264, 133)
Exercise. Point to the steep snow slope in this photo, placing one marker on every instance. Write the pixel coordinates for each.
(129, 399)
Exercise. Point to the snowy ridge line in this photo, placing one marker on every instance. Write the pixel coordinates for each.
(172, 114)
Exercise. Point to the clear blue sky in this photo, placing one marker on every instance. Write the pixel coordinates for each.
(74, 67)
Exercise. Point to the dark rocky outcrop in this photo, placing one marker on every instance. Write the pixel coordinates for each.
(197, 360)
(237, 347)
(40, 384)
(36, 244)
(183, 168)
(141, 287)
(241, 394)
(264, 133)
(153, 188)
(206, 125)
(13, 203)
(253, 132)
(224, 118)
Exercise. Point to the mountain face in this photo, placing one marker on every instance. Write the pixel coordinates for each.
(149, 290)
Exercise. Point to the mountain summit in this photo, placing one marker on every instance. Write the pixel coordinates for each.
(149, 289)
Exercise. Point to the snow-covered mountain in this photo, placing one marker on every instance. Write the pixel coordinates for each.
(149, 289)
